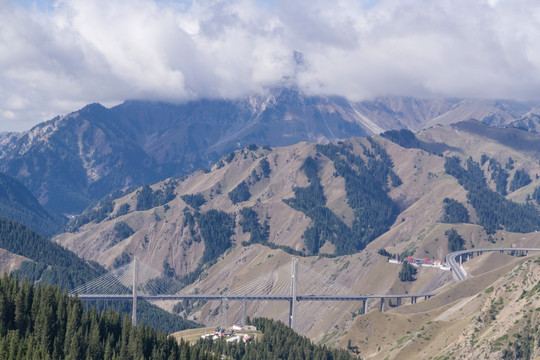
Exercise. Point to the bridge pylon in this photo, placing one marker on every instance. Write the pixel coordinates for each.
(294, 279)
(135, 281)
(244, 310)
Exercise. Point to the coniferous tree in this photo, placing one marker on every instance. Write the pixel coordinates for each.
(56, 327)
(455, 212)
(536, 195)
(240, 193)
(521, 178)
(455, 241)
(407, 272)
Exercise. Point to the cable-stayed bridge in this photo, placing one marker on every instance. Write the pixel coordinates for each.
(137, 281)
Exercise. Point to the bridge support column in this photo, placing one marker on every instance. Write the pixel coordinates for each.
(381, 308)
(398, 301)
(224, 313)
(364, 306)
(135, 281)
(413, 299)
(292, 307)
(244, 311)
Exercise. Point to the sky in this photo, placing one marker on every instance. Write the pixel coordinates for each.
(58, 55)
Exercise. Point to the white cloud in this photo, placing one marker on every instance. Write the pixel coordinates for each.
(75, 52)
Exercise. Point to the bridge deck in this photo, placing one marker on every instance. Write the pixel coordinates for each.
(459, 273)
(251, 297)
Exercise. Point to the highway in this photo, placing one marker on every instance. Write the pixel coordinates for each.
(459, 273)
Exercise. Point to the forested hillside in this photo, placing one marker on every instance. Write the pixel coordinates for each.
(45, 323)
(52, 264)
(335, 200)
(18, 203)
(492, 208)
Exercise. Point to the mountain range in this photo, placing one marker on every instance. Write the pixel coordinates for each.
(340, 185)
(73, 161)
(337, 207)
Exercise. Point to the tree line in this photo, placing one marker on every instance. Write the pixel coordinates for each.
(44, 322)
(51, 264)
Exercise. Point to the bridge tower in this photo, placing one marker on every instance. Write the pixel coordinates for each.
(224, 313)
(294, 279)
(135, 281)
(244, 311)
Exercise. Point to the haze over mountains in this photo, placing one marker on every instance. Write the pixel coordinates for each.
(72, 161)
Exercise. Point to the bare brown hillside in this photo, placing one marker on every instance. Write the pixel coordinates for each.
(480, 318)
(10, 262)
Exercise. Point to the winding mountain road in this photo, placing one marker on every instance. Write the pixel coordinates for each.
(459, 273)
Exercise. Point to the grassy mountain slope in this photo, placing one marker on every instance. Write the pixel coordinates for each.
(10, 262)
(492, 315)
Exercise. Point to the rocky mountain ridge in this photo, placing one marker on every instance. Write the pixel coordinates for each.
(72, 161)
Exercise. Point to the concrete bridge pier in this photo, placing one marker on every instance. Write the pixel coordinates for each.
(291, 314)
(244, 311)
(381, 308)
(398, 301)
(413, 299)
(364, 306)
